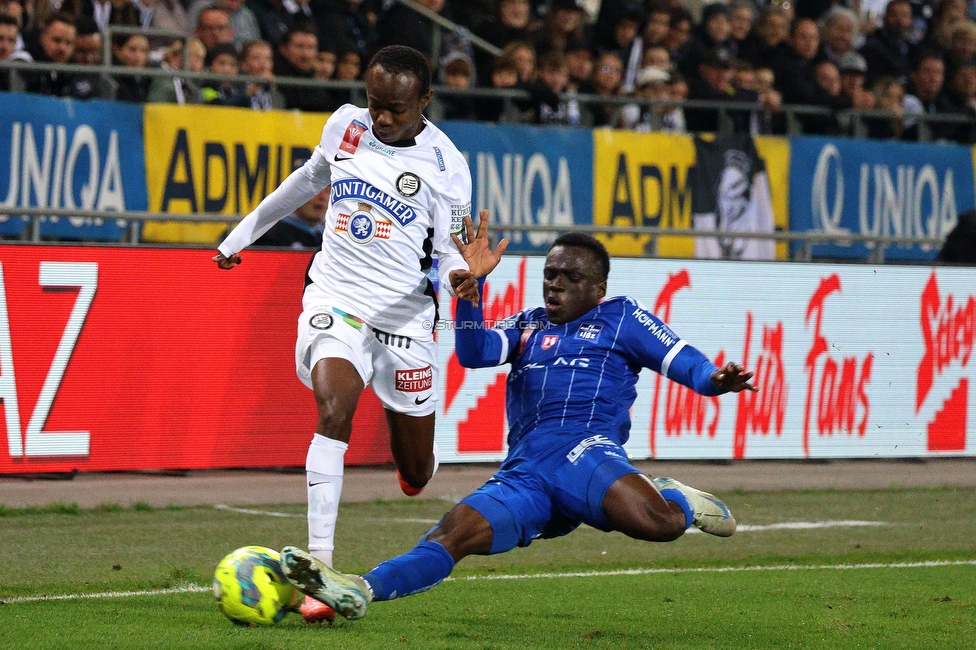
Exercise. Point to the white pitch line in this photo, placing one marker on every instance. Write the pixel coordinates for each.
(291, 515)
(742, 528)
(191, 588)
(182, 589)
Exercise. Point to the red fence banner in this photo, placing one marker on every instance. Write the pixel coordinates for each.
(142, 359)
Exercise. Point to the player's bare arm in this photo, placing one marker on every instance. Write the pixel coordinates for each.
(733, 378)
(227, 263)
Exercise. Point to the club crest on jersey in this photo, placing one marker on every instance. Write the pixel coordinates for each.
(549, 340)
(361, 226)
(589, 331)
(321, 321)
(350, 139)
(408, 184)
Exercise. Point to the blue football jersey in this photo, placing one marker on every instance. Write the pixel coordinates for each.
(579, 377)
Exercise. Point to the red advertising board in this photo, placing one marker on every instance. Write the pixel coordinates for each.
(136, 359)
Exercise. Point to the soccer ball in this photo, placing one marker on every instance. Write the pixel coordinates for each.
(251, 589)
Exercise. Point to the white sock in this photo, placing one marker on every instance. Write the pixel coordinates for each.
(437, 459)
(323, 472)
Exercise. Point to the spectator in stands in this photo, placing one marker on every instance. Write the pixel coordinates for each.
(177, 90)
(257, 60)
(162, 14)
(400, 25)
(105, 12)
(349, 65)
(887, 50)
(714, 32)
(714, 83)
(89, 50)
(658, 57)
(276, 16)
(242, 21)
(565, 20)
(948, 14)
(742, 16)
(222, 60)
(853, 71)
(295, 58)
(679, 31)
(608, 73)
(9, 30)
(767, 45)
(504, 74)
(629, 45)
(458, 74)
(548, 103)
(674, 118)
(959, 98)
(804, 39)
(962, 47)
(131, 51)
(303, 228)
(828, 78)
(324, 64)
(513, 22)
(889, 95)
(213, 27)
(524, 56)
(580, 55)
(55, 44)
(922, 95)
(656, 28)
(348, 23)
(652, 84)
(839, 32)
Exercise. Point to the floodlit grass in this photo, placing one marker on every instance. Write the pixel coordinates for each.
(65, 550)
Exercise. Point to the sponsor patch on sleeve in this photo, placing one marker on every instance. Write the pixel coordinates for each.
(458, 213)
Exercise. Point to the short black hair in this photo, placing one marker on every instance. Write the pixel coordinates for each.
(397, 59)
(582, 240)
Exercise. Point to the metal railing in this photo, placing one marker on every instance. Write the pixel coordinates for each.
(851, 120)
(877, 243)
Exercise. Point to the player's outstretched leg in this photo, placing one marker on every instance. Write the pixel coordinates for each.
(708, 512)
(347, 594)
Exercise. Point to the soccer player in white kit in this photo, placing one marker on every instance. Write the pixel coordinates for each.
(400, 188)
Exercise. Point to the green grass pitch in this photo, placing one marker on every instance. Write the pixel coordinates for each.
(909, 582)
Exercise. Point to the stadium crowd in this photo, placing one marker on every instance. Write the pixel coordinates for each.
(904, 57)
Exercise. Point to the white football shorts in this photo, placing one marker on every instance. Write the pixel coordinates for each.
(402, 370)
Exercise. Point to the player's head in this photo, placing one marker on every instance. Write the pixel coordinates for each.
(574, 280)
(397, 92)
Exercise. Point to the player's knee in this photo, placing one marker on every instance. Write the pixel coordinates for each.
(335, 416)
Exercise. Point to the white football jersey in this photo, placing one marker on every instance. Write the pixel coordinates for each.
(390, 209)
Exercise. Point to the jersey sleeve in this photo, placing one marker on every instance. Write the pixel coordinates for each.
(649, 342)
(478, 346)
(300, 186)
(451, 206)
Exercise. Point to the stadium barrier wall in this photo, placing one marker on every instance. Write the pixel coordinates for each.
(179, 159)
(143, 359)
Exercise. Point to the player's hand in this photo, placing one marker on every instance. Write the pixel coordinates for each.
(733, 378)
(477, 252)
(227, 263)
(465, 285)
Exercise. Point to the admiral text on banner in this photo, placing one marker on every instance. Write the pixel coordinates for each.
(878, 188)
(645, 179)
(63, 153)
(220, 160)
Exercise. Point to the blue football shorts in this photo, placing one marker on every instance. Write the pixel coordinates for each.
(551, 494)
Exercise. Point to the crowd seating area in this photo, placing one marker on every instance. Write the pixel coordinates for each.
(896, 66)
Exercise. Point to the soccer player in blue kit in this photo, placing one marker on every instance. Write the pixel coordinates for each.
(575, 364)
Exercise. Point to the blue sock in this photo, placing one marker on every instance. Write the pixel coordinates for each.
(677, 496)
(415, 571)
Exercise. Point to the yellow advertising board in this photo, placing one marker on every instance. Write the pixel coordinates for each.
(218, 160)
(642, 179)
